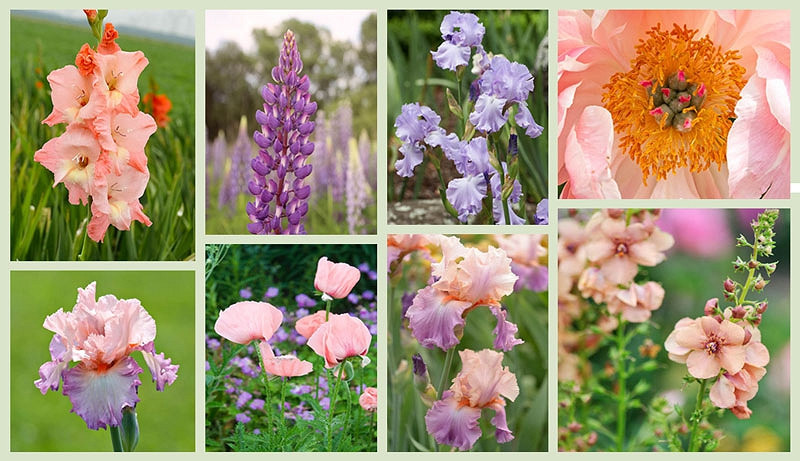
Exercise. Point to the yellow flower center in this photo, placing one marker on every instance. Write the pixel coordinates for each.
(674, 108)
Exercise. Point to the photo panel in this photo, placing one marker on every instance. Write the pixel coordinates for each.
(673, 330)
(291, 348)
(467, 333)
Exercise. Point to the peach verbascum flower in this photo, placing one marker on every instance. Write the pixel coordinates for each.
(465, 278)
(335, 280)
(483, 382)
(101, 334)
(101, 155)
(707, 346)
(691, 104)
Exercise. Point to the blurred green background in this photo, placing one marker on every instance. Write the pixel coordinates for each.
(44, 422)
(43, 222)
(526, 416)
(412, 76)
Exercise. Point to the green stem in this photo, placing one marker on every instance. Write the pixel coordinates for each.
(750, 276)
(622, 397)
(332, 399)
(448, 361)
(328, 308)
(116, 441)
(283, 397)
(698, 406)
(85, 248)
(265, 379)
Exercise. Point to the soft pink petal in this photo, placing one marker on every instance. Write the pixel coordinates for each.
(588, 152)
(756, 354)
(731, 358)
(285, 365)
(335, 279)
(702, 365)
(453, 425)
(433, 318)
(342, 336)
(721, 393)
(247, 321)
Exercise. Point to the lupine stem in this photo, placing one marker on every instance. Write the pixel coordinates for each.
(116, 441)
(622, 397)
(698, 406)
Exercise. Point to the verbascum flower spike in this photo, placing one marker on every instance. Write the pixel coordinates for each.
(281, 166)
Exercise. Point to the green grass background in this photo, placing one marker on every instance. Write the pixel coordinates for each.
(44, 422)
(43, 223)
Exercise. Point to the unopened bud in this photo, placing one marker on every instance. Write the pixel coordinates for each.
(728, 285)
(592, 438)
(683, 429)
(760, 284)
(762, 307)
(738, 312)
(756, 320)
(718, 318)
(712, 305)
(574, 426)
(752, 264)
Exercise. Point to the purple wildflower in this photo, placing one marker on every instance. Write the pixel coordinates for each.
(257, 404)
(325, 403)
(242, 418)
(353, 298)
(372, 275)
(303, 300)
(271, 293)
(284, 148)
(243, 398)
(236, 179)
(368, 294)
(213, 344)
(301, 312)
(245, 293)
(301, 389)
(363, 267)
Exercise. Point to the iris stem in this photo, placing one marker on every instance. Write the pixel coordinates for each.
(698, 406)
(116, 441)
(448, 361)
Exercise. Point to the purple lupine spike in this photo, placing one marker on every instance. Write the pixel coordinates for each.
(215, 156)
(357, 192)
(321, 161)
(235, 181)
(367, 157)
(281, 165)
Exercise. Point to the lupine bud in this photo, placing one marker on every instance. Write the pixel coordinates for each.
(283, 140)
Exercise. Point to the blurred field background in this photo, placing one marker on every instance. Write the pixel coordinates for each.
(527, 415)
(44, 225)
(44, 422)
(343, 77)
(412, 76)
(693, 272)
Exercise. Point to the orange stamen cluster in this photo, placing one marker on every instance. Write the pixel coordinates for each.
(673, 109)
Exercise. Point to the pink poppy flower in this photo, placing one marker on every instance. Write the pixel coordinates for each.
(369, 399)
(467, 278)
(116, 202)
(307, 325)
(101, 335)
(647, 112)
(72, 157)
(335, 280)
(483, 382)
(709, 346)
(619, 248)
(342, 336)
(248, 321)
(284, 365)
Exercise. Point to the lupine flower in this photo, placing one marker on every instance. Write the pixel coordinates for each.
(284, 148)
(651, 112)
(271, 293)
(335, 280)
(366, 156)
(101, 154)
(342, 336)
(248, 321)
(341, 134)
(465, 278)
(101, 334)
(236, 178)
(284, 365)
(357, 191)
(369, 399)
(483, 382)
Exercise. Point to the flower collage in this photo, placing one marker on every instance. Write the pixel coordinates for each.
(201, 203)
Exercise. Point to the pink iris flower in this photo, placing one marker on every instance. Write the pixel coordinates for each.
(342, 336)
(465, 278)
(369, 399)
(614, 143)
(248, 321)
(335, 280)
(101, 334)
(483, 382)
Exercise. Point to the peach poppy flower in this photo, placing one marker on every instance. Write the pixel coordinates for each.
(369, 399)
(709, 346)
(284, 365)
(335, 280)
(483, 382)
(307, 325)
(698, 108)
(247, 321)
(342, 336)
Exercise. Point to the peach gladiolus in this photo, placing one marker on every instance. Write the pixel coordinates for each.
(369, 399)
(342, 336)
(335, 280)
(646, 111)
(307, 325)
(284, 365)
(248, 321)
